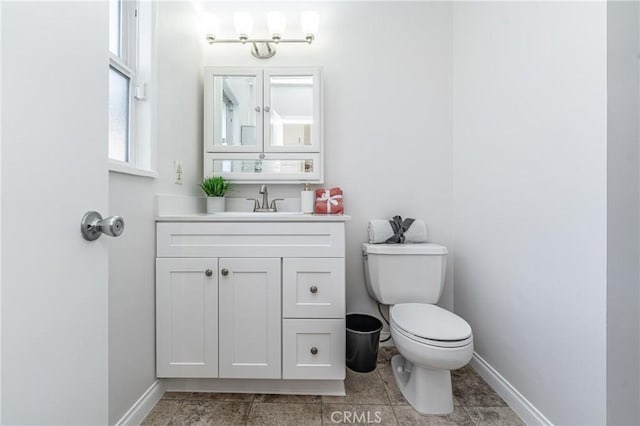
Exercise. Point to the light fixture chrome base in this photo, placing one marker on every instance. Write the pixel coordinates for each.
(267, 51)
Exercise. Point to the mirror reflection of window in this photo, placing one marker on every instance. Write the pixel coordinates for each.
(291, 110)
(234, 115)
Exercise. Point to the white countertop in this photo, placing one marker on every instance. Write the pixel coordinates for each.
(253, 217)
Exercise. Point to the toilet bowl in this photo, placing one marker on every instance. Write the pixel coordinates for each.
(431, 340)
(440, 341)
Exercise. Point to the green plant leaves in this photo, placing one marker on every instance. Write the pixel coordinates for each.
(215, 186)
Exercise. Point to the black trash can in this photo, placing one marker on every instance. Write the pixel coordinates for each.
(363, 339)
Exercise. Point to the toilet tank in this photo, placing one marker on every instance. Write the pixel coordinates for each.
(402, 273)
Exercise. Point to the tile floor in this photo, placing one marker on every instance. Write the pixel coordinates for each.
(372, 398)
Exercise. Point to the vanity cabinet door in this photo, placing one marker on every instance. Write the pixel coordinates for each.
(292, 108)
(250, 318)
(187, 317)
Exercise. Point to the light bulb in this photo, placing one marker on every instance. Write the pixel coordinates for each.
(210, 24)
(277, 23)
(244, 25)
(309, 21)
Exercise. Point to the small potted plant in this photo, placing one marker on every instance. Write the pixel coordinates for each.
(215, 187)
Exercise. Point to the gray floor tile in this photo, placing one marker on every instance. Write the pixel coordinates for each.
(494, 416)
(211, 412)
(385, 353)
(361, 388)
(285, 414)
(406, 415)
(333, 414)
(229, 397)
(472, 391)
(162, 413)
(372, 394)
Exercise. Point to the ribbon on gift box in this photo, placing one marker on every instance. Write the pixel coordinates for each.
(329, 199)
(399, 227)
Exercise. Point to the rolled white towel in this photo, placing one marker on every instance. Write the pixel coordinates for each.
(380, 230)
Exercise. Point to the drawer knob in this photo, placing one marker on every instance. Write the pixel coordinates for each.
(313, 289)
(225, 272)
(314, 350)
(208, 272)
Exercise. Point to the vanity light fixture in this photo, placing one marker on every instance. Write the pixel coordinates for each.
(262, 48)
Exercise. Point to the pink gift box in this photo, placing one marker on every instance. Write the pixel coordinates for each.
(329, 201)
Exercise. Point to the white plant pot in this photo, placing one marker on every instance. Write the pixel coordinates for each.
(215, 204)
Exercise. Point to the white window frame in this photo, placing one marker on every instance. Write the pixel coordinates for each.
(136, 61)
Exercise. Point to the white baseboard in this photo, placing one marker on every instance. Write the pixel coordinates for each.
(518, 403)
(143, 405)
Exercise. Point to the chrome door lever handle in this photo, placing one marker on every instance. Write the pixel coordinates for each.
(93, 225)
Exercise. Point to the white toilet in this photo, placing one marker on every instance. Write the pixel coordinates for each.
(431, 340)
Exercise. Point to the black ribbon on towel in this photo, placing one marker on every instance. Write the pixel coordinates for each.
(399, 227)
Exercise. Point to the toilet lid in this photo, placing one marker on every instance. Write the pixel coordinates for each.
(429, 322)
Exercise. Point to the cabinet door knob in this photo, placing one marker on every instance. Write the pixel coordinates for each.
(314, 350)
(225, 272)
(313, 289)
(208, 272)
(266, 108)
(257, 109)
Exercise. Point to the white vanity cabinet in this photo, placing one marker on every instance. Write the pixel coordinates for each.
(253, 300)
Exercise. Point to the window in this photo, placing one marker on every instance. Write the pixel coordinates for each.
(130, 36)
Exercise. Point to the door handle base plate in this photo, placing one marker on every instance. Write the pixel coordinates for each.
(89, 226)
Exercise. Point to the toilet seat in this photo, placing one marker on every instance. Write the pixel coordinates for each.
(430, 325)
(434, 343)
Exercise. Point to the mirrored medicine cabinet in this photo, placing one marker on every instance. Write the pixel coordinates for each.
(263, 124)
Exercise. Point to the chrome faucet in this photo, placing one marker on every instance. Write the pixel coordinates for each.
(265, 196)
(266, 207)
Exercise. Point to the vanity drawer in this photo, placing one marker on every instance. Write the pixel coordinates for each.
(250, 239)
(313, 288)
(313, 349)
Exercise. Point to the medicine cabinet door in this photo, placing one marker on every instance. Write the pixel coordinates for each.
(292, 108)
(233, 110)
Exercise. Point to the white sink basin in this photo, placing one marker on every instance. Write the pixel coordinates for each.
(256, 214)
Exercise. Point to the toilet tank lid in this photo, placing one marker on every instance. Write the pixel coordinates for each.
(407, 248)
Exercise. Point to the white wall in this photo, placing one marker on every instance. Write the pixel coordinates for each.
(530, 206)
(180, 69)
(131, 293)
(387, 143)
(132, 256)
(623, 345)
